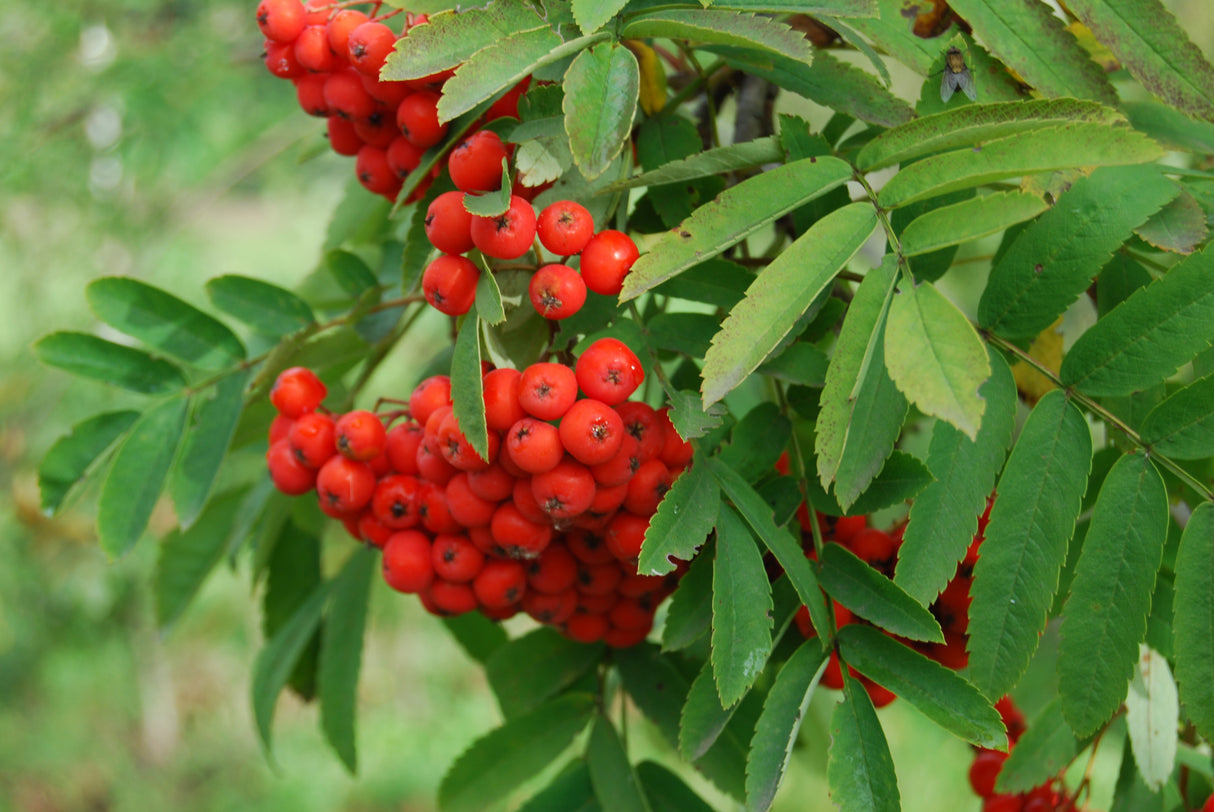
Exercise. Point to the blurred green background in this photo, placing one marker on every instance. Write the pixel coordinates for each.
(144, 137)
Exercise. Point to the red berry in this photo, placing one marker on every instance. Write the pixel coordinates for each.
(403, 157)
(565, 227)
(449, 284)
(516, 535)
(374, 173)
(452, 599)
(616, 471)
(606, 260)
(417, 118)
(395, 501)
(375, 131)
(557, 291)
(343, 138)
(313, 51)
(310, 93)
(549, 608)
(280, 428)
(553, 572)
(565, 491)
(676, 452)
(297, 391)
(448, 224)
(609, 371)
(455, 558)
(625, 535)
(369, 45)
(466, 506)
(1003, 803)
(456, 449)
(500, 583)
(428, 396)
(345, 485)
(360, 435)
(280, 60)
(592, 432)
(647, 487)
(280, 20)
(312, 439)
(407, 565)
(340, 25)
(984, 771)
(476, 162)
(288, 474)
(509, 235)
(493, 484)
(547, 390)
(401, 445)
(501, 389)
(586, 628)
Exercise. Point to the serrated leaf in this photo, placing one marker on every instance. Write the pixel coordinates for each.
(1180, 226)
(874, 597)
(449, 39)
(1042, 752)
(944, 516)
(528, 670)
(734, 215)
(722, 28)
(1105, 616)
(936, 358)
(788, 553)
(213, 418)
(293, 573)
(1155, 49)
(1149, 335)
(499, 65)
(859, 768)
(467, 388)
(978, 123)
(1036, 151)
(900, 479)
(137, 475)
(69, 459)
(780, 294)
(891, 31)
(1182, 426)
(476, 634)
(757, 442)
(682, 521)
(1053, 261)
(1193, 619)
(1039, 498)
(689, 611)
(969, 220)
(616, 785)
(494, 203)
(164, 322)
(91, 357)
(601, 91)
(703, 716)
(938, 692)
(186, 558)
(779, 723)
(1152, 717)
(591, 15)
(707, 163)
(504, 758)
(266, 308)
(741, 609)
(341, 649)
(666, 791)
(862, 410)
(1030, 40)
(489, 305)
(828, 81)
(689, 417)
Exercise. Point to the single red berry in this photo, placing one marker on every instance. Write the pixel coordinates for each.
(281, 61)
(428, 396)
(449, 284)
(647, 487)
(360, 435)
(607, 500)
(455, 558)
(609, 371)
(476, 162)
(310, 93)
(1003, 803)
(371, 530)
(592, 432)
(313, 439)
(374, 173)
(369, 45)
(452, 599)
(340, 25)
(280, 428)
(553, 572)
(297, 391)
(401, 445)
(509, 235)
(588, 547)
(448, 224)
(984, 771)
(417, 119)
(630, 614)
(586, 628)
(507, 105)
(456, 449)
(403, 157)
(548, 608)
(434, 511)
(492, 484)
(625, 535)
(345, 485)
(466, 507)
(565, 491)
(606, 260)
(598, 603)
(616, 471)
(407, 565)
(501, 389)
(313, 51)
(500, 583)
(625, 638)
(280, 20)
(557, 291)
(342, 136)
(676, 452)
(565, 227)
(547, 390)
(874, 546)
(524, 499)
(316, 12)
(377, 132)
(516, 535)
(598, 579)
(395, 501)
(288, 474)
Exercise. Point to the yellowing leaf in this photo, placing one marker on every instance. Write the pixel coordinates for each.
(1047, 349)
(1099, 52)
(653, 78)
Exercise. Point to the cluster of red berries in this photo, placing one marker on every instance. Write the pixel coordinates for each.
(987, 764)
(551, 523)
(565, 229)
(333, 54)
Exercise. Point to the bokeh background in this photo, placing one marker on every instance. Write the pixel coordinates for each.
(145, 138)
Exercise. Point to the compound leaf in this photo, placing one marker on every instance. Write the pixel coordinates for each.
(212, 423)
(722, 28)
(969, 220)
(741, 609)
(266, 308)
(874, 597)
(1044, 750)
(451, 38)
(1182, 426)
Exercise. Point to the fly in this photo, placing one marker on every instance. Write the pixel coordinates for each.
(956, 76)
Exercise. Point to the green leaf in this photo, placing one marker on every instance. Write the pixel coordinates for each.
(734, 215)
(1130, 794)
(944, 516)
(476, 634)
(741, 609)
(1065, 146)
(1182, 426)
(901, 478)
(703, 716)
(501, 760)
(936, 358)
(708, 163)
(757, 442)
(689, 417)
(91, 357)
(1031, 40)
(467, 387)
(891, 31)
(341, 649)
(780, 294)
(1032, 520)
(571, 790)
(293, 573)
(186, 558)
(688, 333)
(682, 521)
(666, 791)
(451, 38)
(969, 220)
(616, 785)
(1148, 336)
(350, 272)
(138, 474)
(938, 692)
(69, 459)
(266, 308)
(212, 423)
(875, 597)
(722, 28)
(601, 91)
(1043, 751)
(859, 768)
(828, 81)
(788, 553)
(779, 723)
(1193, 619)
(1174, 129)
(491, 204)
(1152, 717)
(1179, 227)
(862, 410)
(689, 612)
(977, 123)
(1155, 49)
(1052, 261)
(834, 8)
(499, 65)
(1105, 617)
(591, 15)
(164, 322)
(489, 305)
(524, 672)
(800, 362)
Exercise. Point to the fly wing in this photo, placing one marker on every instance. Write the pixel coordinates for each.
(947, 85)
(966, 82)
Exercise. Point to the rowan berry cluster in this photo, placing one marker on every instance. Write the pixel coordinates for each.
(549, 523)
(565, 230)
(333, 53)
(984, 772)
